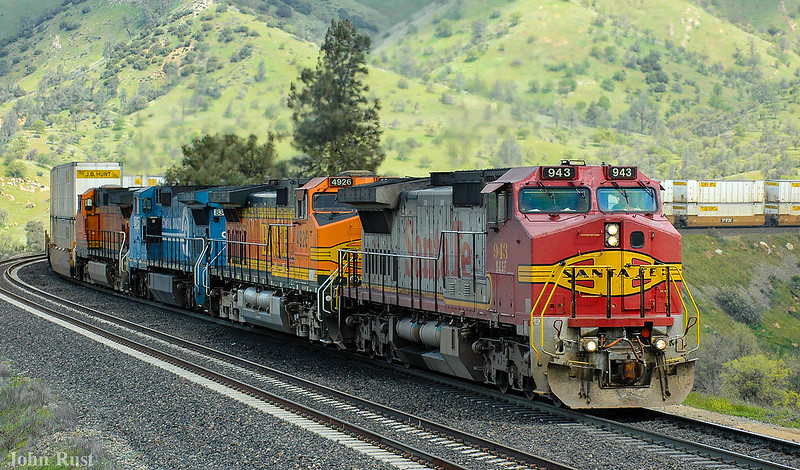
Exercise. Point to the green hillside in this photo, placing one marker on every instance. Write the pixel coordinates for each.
(748, 291)
(668, 86)
(16, 16)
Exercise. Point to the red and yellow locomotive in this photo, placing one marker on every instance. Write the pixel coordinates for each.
(563, 281)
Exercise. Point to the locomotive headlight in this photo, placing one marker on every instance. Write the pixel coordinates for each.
(612, 234)
(660, 344)
(590, 345)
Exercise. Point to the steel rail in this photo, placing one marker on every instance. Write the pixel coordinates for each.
(325, 419)
(485, 445)
(655, 437)
(774, 443)
(652, 436)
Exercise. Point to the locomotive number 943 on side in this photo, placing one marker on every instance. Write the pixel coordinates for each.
(562, 281)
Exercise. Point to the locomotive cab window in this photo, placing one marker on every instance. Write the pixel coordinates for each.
(329, 202)
(554, 200)
(147, 205)
(87, 204)
(300, 208)
(497, 207)
(622, 199)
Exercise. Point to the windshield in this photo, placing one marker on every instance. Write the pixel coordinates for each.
(627, 199)
(328, 202)
(554, 200)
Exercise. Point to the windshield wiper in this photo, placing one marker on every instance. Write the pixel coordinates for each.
(650, 191)
(547, 191)
(622, 191)
(575, 187)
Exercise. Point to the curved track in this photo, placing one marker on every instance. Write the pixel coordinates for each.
(651, 430)
(448, 439)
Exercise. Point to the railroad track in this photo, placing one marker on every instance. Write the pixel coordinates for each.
(743, 449)
(637, 428)
(452, 449)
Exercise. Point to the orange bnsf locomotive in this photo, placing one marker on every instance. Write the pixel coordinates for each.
(562, 281)
(281, 250)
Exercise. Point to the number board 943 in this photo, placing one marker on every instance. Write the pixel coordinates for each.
(621, 172)
(558, 172)
(340, 181)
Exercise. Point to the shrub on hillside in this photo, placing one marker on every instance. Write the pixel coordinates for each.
(738, 306)
(756, 379)
(15, 169)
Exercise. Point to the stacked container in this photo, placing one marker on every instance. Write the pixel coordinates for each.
(704, 203)
(782, 202)
(136, 181)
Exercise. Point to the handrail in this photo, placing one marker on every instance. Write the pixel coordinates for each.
(562, 267)
(120, 271)
(211, 262)
(328, 283)
(438, 261)
(196, 270)
(269, 246)
(679, 270)
(207, 268)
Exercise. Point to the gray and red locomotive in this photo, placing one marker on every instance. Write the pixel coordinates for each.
(563, 281)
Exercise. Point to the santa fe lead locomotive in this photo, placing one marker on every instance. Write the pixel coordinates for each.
(553, 280)
(562, 281)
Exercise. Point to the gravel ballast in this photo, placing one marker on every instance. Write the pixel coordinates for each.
(580, 446)
(170, 422)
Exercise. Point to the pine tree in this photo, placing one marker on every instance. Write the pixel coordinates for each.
(224, 160)
(335, 125)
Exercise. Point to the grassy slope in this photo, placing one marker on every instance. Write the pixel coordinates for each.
(466, 133)
(552, 31)
(765, 270)
(25, 201)
(767, 267)
(761, 15)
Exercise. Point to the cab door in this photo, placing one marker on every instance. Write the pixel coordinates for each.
(93, 236)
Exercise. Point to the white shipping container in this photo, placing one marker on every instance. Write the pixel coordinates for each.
(734, 209)
(679, 190)
(67, 182)
(666, 191)
(783, 197)
(706, 192)
(719, 198)
(666, 197)
(679, 196)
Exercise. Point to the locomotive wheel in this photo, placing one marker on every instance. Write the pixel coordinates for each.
(502, 382)
(529, 388)
(370, 347)
(390, 355)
